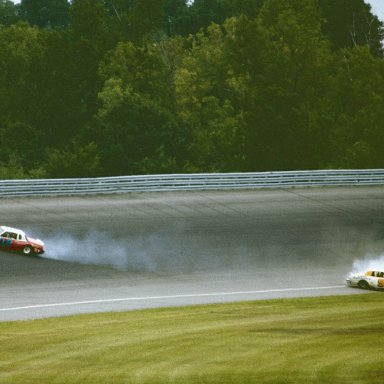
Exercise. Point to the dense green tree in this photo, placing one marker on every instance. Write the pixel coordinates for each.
(20, 54)
(349, 23)
(136, 20)
(77, 160)
(357, 95)
(59, 91)
(176, 17)
(293, 59)
(346, 23)
(89, 20)
(146, 19)
(204, 103)
(135, 127)
(8, 12)
(90, 41)
(138, 67)
(19, 49)
(136, 135)
(204, 12)
(12, 169)
(114, 87)
(45, 13)
(201, 13)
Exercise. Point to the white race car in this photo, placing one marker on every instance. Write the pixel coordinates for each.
(371, 279)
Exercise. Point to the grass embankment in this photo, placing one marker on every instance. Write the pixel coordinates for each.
(316, 340)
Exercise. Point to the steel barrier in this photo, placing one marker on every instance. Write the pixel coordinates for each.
(189, 182)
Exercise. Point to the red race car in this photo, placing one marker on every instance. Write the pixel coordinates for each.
(16, 240)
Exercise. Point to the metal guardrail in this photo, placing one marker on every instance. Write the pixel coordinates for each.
(189, 182)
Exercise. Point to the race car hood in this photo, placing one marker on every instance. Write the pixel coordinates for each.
(36, 242)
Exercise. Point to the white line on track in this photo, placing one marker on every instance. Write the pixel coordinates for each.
(105, 301)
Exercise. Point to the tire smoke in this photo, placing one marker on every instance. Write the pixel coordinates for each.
(167, 250)
(98, 248)
(370, 262)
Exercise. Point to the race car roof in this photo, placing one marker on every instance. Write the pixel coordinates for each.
(4, 228)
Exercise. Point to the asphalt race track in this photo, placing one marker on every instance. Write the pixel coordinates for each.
(130, 251)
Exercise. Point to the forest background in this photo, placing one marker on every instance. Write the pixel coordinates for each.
(121, 87)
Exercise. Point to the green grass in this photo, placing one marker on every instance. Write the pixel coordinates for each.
(315, 340)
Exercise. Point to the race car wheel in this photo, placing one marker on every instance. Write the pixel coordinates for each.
(363, 284)
(27, 250)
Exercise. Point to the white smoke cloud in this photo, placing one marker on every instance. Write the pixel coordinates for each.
(99, 248)
(370, 262)
(181, 248)
(168, 250)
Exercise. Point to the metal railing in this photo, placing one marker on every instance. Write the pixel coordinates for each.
(189, 182)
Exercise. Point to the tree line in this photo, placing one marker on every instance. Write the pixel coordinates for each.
(119, 87)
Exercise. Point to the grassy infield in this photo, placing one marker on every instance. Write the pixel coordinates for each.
(315, 340)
